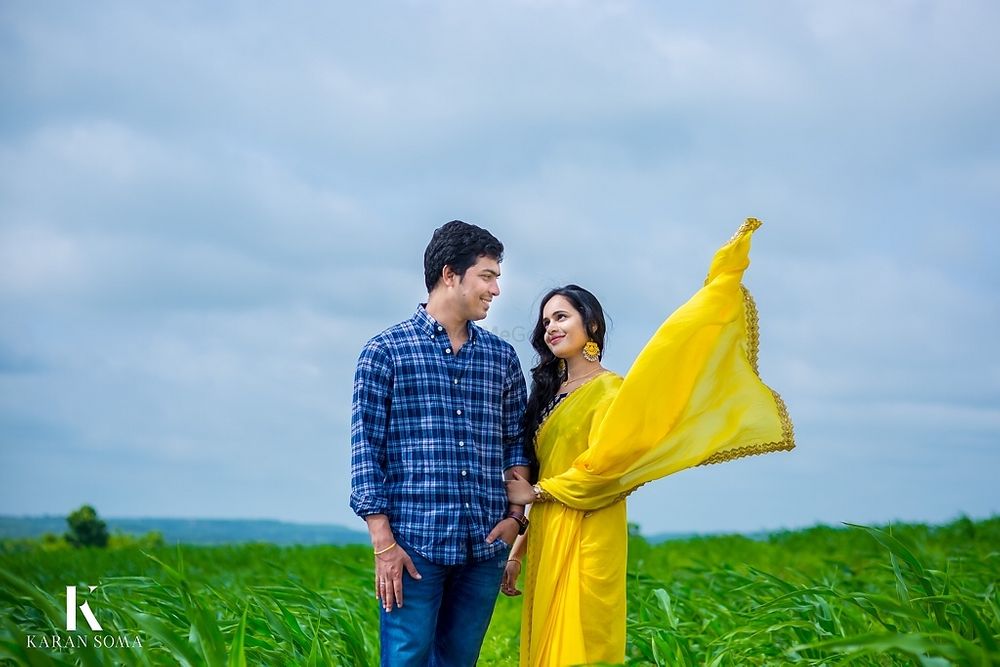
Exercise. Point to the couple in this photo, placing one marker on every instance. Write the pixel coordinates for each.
(447, 451)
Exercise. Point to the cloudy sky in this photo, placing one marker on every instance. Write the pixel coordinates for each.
(206, 209)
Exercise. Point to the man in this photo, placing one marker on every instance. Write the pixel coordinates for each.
(436, 426)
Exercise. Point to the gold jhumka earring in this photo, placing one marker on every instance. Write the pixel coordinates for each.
(591, 351)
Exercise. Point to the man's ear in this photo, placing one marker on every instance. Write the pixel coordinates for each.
(448, 275)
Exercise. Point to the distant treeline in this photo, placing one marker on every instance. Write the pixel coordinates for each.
(194, 531)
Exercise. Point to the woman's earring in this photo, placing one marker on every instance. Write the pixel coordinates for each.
(562, 368)
(591, 351)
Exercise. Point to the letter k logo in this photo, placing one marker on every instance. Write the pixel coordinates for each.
(88, 615)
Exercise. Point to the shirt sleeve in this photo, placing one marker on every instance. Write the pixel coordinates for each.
(515, 397)
(369, 426)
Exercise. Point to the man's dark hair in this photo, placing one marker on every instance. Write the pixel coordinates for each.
(459, 245)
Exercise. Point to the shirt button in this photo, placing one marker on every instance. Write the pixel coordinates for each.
(447, 350)
(458, 412)
(440, 328)
(466, 505)
(461, 443)
(456, 380)
(464, 473)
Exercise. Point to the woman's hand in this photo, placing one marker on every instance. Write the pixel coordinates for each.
(520, 491)
(511, 572)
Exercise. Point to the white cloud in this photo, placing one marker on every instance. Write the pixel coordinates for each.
(35, 260)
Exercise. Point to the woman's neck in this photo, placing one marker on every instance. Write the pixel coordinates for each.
(579, 367)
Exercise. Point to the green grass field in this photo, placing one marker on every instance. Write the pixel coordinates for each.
(912, 595)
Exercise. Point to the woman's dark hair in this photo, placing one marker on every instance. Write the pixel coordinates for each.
(459, 245)
(546, 376)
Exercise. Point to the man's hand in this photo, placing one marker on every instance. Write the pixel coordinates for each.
(506, 531)
(389, 568)
(390, 561)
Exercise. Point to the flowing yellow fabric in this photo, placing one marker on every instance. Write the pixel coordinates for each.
(692, 397)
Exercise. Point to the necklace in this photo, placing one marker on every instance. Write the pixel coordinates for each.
(582, 377)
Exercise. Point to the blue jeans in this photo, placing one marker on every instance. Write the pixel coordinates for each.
(444, 615)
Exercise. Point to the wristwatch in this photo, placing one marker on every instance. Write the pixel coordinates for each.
(522, 521)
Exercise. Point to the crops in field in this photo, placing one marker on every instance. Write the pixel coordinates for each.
(906, 595)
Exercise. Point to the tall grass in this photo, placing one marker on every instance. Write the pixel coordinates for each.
(909, 595)
(254, 604)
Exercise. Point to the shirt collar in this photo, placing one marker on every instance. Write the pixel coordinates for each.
(427, 324)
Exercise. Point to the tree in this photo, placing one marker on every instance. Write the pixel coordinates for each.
(85, 529)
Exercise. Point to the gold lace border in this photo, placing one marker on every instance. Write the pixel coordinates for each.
(787, 442)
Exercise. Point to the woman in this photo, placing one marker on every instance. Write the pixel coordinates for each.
(692, 397)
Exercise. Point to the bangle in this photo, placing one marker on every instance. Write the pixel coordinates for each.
(541, 495)
(513, 560)
(391, 546)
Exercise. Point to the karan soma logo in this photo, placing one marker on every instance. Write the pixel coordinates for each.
(64, 642)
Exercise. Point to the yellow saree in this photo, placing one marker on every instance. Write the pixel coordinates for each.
(692, 397)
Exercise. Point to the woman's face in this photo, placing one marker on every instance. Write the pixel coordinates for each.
(565, 332)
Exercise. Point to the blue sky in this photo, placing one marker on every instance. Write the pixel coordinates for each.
(206, 210)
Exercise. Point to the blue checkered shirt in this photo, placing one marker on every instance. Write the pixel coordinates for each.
(432, 431)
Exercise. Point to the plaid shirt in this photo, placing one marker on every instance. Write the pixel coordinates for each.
(432, 432)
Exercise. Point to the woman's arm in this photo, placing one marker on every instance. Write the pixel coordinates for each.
(512, 570)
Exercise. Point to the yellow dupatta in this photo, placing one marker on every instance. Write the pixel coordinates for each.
(692, 397)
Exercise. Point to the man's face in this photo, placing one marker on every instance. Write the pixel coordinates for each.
(477, 288)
